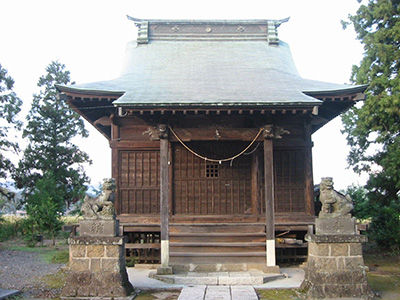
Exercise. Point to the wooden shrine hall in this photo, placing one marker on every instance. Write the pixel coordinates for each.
(210, 127)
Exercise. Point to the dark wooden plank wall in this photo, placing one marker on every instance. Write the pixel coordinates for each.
(232, 192)
(290, 181)
(207, 188)
(139, 182)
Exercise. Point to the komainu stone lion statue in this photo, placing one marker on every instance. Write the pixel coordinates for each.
(334, 204)
(101, 207)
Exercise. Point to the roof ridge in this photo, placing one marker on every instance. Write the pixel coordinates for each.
(234, 30)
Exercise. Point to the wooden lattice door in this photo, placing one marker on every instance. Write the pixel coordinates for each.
(207, 188)
(139, 182)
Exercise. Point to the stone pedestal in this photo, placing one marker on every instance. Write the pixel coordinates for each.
(98, 227)
(335, 266)
(97, 269)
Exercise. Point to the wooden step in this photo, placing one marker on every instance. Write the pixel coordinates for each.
(217, 244)
(216, 234)
(217, 239)
(219, 254)
(223, 258)
(203, 243)
(218, 228)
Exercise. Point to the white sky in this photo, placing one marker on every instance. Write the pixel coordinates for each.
(89, 37)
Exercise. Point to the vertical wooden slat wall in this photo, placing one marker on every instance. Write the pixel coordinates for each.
(224, 190)
(290, 181)
(139, 184)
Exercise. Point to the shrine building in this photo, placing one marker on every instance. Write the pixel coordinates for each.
(210, 127)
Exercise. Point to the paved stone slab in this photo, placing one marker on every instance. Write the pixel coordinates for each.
(240, 280)
(217, 292)
(197, 274)
(243, 292)
(193, 292)
(239, 274)
(219, 278)
(8, 293)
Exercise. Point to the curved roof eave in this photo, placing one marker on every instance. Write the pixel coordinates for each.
(351, 89)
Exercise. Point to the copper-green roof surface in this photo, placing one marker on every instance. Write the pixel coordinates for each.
(210, 63)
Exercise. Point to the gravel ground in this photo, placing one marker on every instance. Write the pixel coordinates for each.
(25, 271)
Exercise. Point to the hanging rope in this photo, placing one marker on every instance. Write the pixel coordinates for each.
(216, 160)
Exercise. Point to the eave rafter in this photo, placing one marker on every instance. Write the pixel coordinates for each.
(215, 111)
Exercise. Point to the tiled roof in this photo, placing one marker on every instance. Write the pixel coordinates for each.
(207, 63)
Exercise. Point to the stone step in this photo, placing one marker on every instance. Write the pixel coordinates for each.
(254, 277)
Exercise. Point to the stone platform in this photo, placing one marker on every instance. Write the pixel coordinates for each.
(254, 277)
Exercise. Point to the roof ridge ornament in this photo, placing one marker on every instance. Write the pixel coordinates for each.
(258, 29)
(143, 29)
(273, 30)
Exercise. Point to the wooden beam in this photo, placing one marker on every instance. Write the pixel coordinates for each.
(269, 200)
(201, 134)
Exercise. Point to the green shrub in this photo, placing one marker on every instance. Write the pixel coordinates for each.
(382, 213)
(10, 227)
(43, 209)
(385, 227)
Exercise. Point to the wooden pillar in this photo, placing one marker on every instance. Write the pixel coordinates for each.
(269, 201)
(255, 208)
(269, 134)
(164, 201)
(309, 192)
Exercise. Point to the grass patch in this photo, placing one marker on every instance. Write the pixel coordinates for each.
(280, 294)
(47, 254)
(55, 281)
(384, 274)
(56, 256)
(158, 295)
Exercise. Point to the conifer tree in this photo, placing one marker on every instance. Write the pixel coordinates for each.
(10, 106)
(373, 130)
(51, 126)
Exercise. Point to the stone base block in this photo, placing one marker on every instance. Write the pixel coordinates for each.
(336, 269)
(164, 271)
(342, 226)
(97, 269)
(271, 269)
